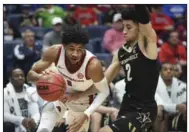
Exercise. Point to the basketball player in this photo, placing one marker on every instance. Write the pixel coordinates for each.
(77, 66)
(138, 57)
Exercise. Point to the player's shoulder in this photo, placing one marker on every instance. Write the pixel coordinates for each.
(89, 53)
(94, 64)
(51, 52)
(54, 48)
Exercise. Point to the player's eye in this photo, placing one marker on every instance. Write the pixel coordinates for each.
(129, 28)
(72, 49)
(79, 50)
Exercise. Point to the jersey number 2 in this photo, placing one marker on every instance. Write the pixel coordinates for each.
(128, 69)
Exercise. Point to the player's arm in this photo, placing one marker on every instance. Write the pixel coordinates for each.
(146, 31)
(95, 72)
(111, 73)
(114, 68)
(48, 57)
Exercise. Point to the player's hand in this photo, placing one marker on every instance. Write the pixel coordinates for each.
(31, 123)
(77, 123)
(46, 71)
(58, 123)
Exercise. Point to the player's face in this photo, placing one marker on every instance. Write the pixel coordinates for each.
(17, 78)
(74, 52)
(130, 30)
(167, 71)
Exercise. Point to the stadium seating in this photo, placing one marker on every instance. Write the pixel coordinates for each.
(97, 46)
(96, 31)
(107, 58)
(14, 20)
(8, 47)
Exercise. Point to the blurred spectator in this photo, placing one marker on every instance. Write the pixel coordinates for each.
(5, 77)
(28, 18)
(160, 22)
(27, 53)
(54, 36)
(108, 16)
(69, 19)
(86, 16)
(181, 27)
(13, 8)
(111, 11)
(174, 10)
(171, 96)
(46, 14)
(173, 51)
(104, 110)
(20, 103)
(177, 70)
(102, 8)
(114, 37)
(7, 31)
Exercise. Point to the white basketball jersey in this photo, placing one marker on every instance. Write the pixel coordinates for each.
(75, 81)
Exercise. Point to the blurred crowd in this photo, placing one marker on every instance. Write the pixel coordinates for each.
(30, 29)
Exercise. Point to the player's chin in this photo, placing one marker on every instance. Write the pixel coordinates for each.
(74, 61)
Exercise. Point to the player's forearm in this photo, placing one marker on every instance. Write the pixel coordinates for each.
(103, 89)
(33, 76)
(90, 91)
(100, 98)
(142, 14)
(145, 27)
(112, 72)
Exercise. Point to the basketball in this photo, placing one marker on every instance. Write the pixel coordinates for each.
(51, 87)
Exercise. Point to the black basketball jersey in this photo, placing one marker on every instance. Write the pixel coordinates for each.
(141, 74)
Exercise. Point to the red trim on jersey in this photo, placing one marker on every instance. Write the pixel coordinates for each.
(91, 98)
(58, 55)
(87, 67)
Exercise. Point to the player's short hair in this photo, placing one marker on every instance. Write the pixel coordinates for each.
(74, 34)
(129, 14)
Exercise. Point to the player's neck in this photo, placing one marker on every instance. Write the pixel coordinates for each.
(132, 43)
(168, 82)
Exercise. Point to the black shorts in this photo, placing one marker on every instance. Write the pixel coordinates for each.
(140, 121)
